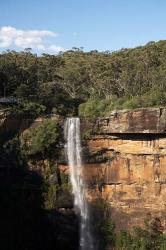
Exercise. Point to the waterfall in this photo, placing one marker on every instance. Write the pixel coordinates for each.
(73, 148)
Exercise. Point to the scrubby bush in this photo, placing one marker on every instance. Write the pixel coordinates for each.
(147, 238)
(43, 139)
(102, 107)
(28, 108)
(102, 224)
(94, 107)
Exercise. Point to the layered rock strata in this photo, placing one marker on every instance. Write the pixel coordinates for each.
(125, 156)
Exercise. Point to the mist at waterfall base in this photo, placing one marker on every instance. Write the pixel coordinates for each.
(73, 151)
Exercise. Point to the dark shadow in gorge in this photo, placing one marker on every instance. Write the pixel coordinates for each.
(25, 223)
(101, 224)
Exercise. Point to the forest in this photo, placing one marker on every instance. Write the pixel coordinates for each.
(86, 83)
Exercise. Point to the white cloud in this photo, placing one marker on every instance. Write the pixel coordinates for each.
(5, 42)
(55, 48)
(11, 37)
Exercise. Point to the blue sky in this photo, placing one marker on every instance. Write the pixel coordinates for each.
(54, 25)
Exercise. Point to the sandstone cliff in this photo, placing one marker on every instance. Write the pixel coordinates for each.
(125, 157)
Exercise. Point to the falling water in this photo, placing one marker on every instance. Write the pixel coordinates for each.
(73, 147)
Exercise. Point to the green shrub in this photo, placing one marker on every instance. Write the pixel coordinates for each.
(163, 242)
(102, 107)
(147, 238)
(102, 224)
(50, 197)
(44, 139)
(29, 108)
(93, 108)
(123, 240)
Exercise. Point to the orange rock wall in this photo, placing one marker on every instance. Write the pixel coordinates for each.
(132, 176)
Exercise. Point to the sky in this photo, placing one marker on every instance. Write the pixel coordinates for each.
(50, 26)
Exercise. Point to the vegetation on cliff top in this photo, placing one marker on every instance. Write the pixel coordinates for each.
(99, 81)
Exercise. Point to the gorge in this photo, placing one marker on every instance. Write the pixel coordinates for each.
(124, 157)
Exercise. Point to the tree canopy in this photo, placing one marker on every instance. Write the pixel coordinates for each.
(122, 79)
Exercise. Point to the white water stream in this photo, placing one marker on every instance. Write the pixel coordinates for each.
(73, 147)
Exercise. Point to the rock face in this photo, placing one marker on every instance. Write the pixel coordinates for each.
(152, 120)
(125, 157)
(125, 161)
